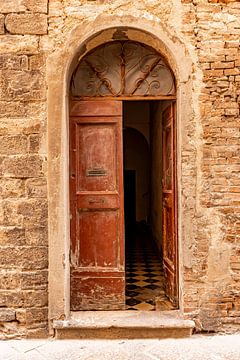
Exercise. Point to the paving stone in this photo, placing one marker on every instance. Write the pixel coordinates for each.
(198, 347)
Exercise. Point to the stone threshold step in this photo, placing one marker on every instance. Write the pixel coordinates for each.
(123, 324)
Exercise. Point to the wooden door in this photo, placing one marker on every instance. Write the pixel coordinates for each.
(169, 204)
(96, 202)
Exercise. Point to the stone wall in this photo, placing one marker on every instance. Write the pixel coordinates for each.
(23, 191)
(31, 30)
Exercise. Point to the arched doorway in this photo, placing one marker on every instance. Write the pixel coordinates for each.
(105, 80)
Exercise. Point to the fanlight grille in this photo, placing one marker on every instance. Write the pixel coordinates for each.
(122, 68)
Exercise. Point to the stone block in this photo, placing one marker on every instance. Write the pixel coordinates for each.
(36, 298)
(7, 315)
(32, 316)
(231, 112)
(19, 126)
(13, 62)
(34, 258)
(136, 325)
(232, 44)
(33, 212)
(10, 279)
(213, 73)
(23, 166)
(33, 126)
(21, 109)
(37, 235)
(223, 65)
(234, 71)
(39, 6)
(25, 258)
(17, 44)
(34, 143)
(12, 236)
(22, 85)
(9, 258)
(8, 6)
(10, 330)
(237, 62)
(36, 188)
(11, 299)
(2, 158)
(15, 6)
(41, 332)
(13, 145)
(21, 316)
(34, 280)
(2, 29)
(32, 24)
(12, 188)
(9, 215)
(37, 62)
(55, 8)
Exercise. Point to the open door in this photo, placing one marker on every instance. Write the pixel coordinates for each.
(96, 205)
(169, 205)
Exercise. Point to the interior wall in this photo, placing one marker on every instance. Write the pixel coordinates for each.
(136, 152)
(136, 115)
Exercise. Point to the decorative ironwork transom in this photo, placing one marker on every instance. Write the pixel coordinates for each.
(122, 68)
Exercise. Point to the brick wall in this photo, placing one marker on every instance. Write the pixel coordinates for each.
(212, 288)
(210, 30)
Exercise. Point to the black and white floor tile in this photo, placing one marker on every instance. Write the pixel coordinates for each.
(144, 274)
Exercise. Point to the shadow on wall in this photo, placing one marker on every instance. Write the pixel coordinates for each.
(136, 157)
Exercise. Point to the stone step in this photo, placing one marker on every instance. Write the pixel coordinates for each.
(123, 324)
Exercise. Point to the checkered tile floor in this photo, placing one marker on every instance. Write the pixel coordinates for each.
(144, 274)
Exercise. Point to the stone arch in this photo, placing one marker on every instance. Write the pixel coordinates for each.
(60, 65)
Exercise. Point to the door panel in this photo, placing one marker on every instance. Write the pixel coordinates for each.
(96, 198)
(83, 284)
(169, 204)
(96, 169)
(103, 252)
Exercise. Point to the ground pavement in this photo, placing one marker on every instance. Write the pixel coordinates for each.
(198, 347)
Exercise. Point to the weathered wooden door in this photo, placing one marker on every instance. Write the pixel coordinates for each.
(96, 202)
(169, 204)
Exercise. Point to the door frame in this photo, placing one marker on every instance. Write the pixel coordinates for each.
(60, 65)
(173, 115)
(175, 182)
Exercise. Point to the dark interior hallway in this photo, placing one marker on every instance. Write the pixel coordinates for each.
(142, 139)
